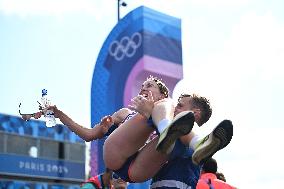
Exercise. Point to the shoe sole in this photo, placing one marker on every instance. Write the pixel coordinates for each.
(181, 125)
(217, 140)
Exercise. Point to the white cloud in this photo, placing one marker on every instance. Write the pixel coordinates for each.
(57, 7)
(252, 58)
(250, 159)
(243, 82)
(257, 44)
(175, 8)
(220, 3)
(181, 6)
(100, 9)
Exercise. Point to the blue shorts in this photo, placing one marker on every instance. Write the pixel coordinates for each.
(123, 171)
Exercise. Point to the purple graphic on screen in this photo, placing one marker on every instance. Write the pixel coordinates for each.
(169, 72)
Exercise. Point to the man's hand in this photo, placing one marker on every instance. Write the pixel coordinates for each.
(143, 105)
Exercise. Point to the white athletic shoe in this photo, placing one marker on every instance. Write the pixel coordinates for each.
(181, 125)
(219, 138)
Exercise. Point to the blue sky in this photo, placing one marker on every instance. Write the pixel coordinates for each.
(233, 53)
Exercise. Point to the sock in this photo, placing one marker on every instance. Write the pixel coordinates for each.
(163, 124)
(194, 142)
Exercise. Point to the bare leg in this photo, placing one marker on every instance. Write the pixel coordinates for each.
(147, 163)
(163, 109)
(126, 140)
(129, 137)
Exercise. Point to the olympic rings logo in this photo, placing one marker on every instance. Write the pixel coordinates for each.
(127, 46)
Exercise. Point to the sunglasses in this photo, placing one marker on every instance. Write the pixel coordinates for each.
(27, 117)
(115, 176)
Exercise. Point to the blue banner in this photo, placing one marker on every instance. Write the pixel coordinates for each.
(145, 42)
(37, 167)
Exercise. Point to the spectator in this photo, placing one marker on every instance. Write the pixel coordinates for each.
(107, 180)
(101, 181)
(208, 178)
(118, 183)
